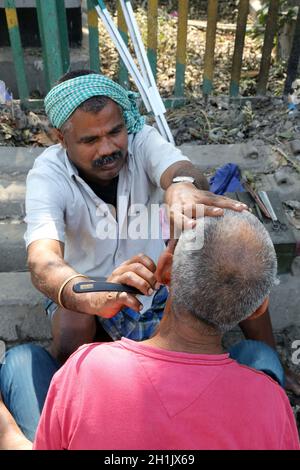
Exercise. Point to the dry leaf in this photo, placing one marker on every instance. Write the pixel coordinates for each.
(42, 139)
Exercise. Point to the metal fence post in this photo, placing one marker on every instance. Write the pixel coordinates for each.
(52, 44)
(271, 28)
(63, 33)
(93, 37)
(43, 42)
(294, 58)
(239, 47)
(16, 47)
(183, 8)
(212, 13)
(152, 34)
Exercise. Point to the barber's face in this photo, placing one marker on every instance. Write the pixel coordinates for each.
(97, 143)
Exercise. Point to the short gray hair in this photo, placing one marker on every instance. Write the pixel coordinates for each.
(230, 277)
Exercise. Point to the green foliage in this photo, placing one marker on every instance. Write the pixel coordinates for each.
(287, 13)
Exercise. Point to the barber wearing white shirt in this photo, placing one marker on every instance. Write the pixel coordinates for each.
(107, 161)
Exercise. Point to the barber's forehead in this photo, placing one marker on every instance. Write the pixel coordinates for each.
(109, 111)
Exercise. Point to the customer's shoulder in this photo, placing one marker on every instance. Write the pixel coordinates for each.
(255, 381)
(91, 352)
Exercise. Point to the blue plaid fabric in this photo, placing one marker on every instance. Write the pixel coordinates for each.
(133, 325)
(127, 322)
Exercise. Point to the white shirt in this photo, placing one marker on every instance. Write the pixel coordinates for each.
(61, 206)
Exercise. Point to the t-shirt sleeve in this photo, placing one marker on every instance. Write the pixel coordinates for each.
(156, 153)
(290, 439)
(45, 206)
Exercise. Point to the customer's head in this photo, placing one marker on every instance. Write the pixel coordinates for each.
(230, 278)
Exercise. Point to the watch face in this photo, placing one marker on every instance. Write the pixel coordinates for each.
(183, 179)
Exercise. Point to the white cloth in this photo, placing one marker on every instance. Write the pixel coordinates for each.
(61, 206)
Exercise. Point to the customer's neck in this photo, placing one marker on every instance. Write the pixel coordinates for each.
(187, 335)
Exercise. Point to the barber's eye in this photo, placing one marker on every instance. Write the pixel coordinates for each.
(116, 131)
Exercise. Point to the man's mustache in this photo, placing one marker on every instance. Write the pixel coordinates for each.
(107, 159)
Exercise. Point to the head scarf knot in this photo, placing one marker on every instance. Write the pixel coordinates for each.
(63, 99)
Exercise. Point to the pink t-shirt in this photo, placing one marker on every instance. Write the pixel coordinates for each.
(126, 395)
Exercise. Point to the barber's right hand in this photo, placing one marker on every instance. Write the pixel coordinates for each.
(136, 272)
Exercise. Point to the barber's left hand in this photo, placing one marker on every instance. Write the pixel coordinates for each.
(183, 199)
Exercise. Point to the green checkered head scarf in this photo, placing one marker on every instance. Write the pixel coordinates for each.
(65, 98)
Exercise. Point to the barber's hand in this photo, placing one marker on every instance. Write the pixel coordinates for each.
(186, 203)
(136, 272)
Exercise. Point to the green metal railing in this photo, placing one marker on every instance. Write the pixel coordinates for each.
(16, 46)
(54, 40)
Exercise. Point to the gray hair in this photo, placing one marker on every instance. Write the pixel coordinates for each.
(230, 277)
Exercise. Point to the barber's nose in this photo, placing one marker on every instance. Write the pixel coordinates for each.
(106, 147)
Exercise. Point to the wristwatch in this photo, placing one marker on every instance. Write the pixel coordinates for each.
(183, 179)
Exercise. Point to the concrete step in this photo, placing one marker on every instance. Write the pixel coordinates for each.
(285, 302)
(14, 165)
(207, 157)
(22, 317)
(16, 161)
(12, 247)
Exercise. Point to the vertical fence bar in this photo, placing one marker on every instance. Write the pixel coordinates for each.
(63, 33)
(16, 47)
(271, 28)
(212, 14)
(43, 41)
(93, 37)
(123, 73)
(152, 34)
(183, 8)
(239, 47)
(49, 23)
(294, 58)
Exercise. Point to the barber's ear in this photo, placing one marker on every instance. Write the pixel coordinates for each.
(60, 137)
(261, 310)
(164, 265)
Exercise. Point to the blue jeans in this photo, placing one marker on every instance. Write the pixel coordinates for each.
(27, 372)
(24, 381)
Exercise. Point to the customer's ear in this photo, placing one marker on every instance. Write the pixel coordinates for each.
(164, 264)
(260, 310)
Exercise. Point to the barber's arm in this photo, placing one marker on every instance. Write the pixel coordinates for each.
(49, 272)
(183, 197)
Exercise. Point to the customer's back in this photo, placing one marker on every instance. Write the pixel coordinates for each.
(179, 390)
